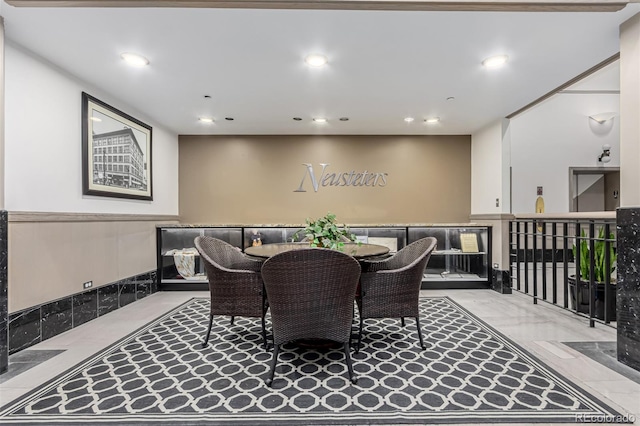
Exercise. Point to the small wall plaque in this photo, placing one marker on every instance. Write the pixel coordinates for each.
(469, 243)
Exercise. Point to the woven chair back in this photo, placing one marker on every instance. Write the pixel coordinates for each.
(219, 253)
(311, 294)
(416, 252)
(235, 284)
(392, 289)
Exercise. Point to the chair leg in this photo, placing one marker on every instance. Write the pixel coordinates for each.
(402, 320)
(359, 335)
(264, 332)
(420, 333)
(206, 338)
(347, 359)
(232, 318)
(353, 315)
(274, 360)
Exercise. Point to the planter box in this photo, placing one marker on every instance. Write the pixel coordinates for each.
(581, 302)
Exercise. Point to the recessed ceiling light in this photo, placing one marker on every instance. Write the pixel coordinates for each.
(207, 96)
(229, 118)
(297, 118)
(316, 60)
(95, 119)
(320, 120)
(451, 98)
(432, 120)
(344, 118)
(135, 60)
(408, 119)
(495, 61)
(206, 119)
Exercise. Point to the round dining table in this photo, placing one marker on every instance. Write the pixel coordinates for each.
(360, 251)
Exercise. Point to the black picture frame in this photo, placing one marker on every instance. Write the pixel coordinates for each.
(116, 152)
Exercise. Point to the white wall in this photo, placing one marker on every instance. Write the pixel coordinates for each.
(630, 103)
(487, 170)
(551, 137)
(43, 144)
(2, 177)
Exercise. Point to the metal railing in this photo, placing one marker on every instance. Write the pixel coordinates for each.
(567, 262)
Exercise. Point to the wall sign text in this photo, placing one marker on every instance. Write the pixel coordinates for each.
(345, 178)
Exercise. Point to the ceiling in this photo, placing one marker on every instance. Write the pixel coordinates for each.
(383, 65)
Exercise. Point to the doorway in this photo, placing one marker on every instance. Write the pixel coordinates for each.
(594, 189)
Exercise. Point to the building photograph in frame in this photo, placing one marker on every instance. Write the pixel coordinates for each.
(116, 152)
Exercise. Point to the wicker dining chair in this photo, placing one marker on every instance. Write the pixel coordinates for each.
(235, 284)
(390, 288)
(311, 293)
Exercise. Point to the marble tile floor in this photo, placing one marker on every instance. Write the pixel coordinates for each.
(541, 329)
(26, 359)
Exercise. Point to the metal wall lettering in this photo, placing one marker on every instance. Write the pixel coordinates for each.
(349, 178)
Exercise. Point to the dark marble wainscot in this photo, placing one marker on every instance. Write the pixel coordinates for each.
(24, 329)
(57, 317)
(85, 307)
(108, 299)
(628, 286)
(38, 323)
(501, 281)
(127, 291)
(144, 285)
(4, 295)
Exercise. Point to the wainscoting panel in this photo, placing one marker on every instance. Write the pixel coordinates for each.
(35, 324)
(4, 295)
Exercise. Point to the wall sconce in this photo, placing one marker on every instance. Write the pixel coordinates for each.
(602, 117)
(605, 157)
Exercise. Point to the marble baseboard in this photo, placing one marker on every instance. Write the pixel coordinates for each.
(628, 287)
(56, 317)
(85, 307)
(4, 295)
(38, 323)
(108, 299)
(501, 281)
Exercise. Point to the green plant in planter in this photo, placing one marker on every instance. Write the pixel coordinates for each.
(325, 232)
(599, 251)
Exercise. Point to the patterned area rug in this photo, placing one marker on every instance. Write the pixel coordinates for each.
(469, 373)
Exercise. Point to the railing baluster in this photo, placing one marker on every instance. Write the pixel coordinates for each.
(554, 264)
(526, 257)
(576, 259)
(592, 274)
(534, 267)
(607, 274)
(544, 261)
(565, 264)
(578, 239)
(518, 255)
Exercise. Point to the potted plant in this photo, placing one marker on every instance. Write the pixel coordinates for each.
(325, 232)
(580, 297)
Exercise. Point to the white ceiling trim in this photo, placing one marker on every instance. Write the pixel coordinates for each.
(406, 5)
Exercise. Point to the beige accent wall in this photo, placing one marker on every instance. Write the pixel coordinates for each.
(252, 179)
(52, 255)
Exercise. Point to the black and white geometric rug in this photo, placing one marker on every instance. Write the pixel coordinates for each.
(469, 373)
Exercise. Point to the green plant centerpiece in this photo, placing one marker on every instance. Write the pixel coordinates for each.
(325, 232)
(579, 289)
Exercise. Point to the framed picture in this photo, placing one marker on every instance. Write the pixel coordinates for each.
(116, 152)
